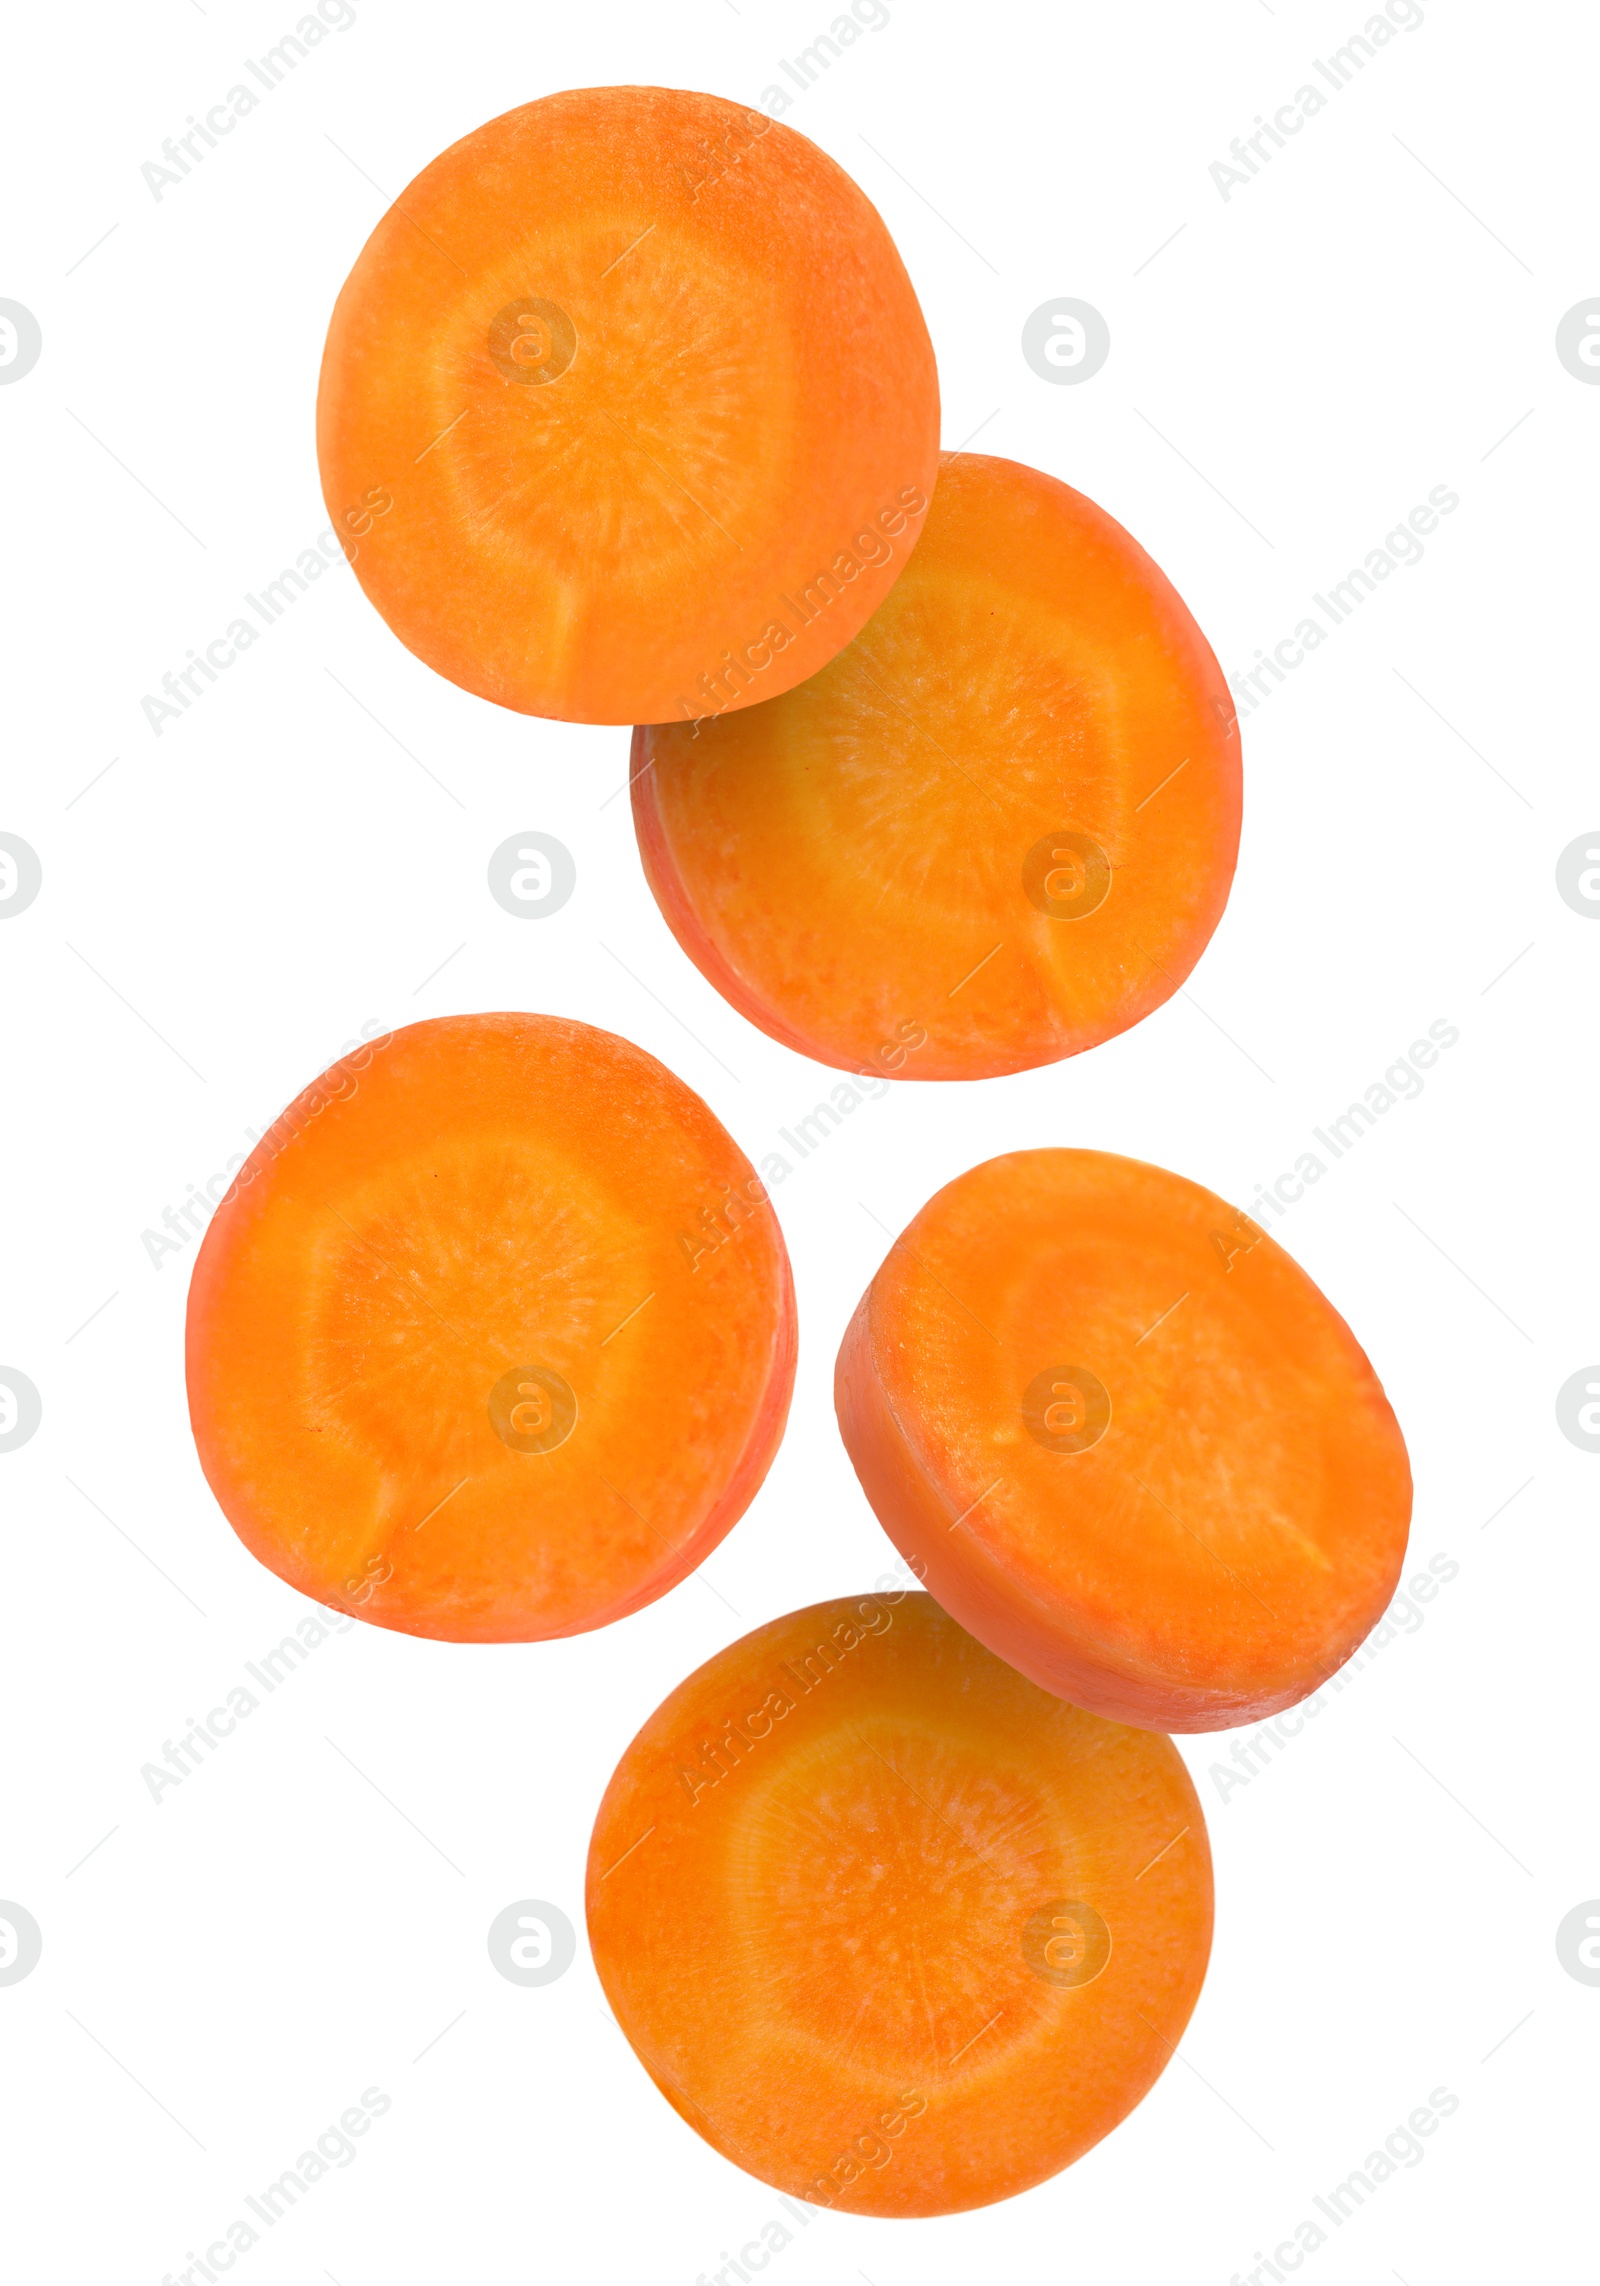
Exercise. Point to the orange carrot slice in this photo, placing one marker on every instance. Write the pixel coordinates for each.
(494, 1336)
(889, 1926)
(1125, 1440)
(1005, 818)
(628, 410)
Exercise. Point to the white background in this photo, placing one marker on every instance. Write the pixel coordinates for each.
(225, 906)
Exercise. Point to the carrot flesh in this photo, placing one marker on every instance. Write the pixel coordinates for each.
(1126, 1440)
(1006, 815)
(461, 1356)
(618, 378)
(890, 1927)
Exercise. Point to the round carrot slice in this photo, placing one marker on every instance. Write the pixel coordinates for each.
(1004, 819)
(494, 1335)
(1125, 1440)
(628, 410)
(889, 1926)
